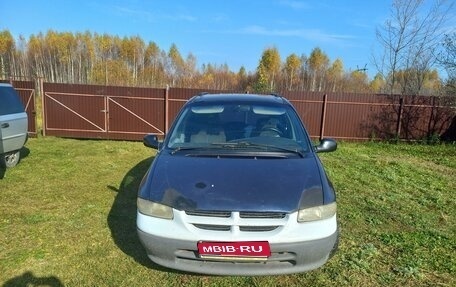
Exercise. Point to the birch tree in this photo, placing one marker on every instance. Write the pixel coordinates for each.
(292, 65)
(269, 66)
(6, 50)
(318, 65)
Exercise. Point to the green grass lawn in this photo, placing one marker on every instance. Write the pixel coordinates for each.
(67, 218)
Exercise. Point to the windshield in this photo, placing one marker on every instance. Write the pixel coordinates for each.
(238, 127)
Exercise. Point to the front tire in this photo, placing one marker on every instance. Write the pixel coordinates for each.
(10, 159)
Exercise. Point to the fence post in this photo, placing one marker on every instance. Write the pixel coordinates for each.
(399, 118)
(323, 117)
(430, 128)
(166, 109)
(43, 106)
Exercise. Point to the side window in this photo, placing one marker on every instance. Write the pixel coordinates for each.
(9, 101)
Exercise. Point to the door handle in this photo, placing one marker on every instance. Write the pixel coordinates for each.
(5, 125)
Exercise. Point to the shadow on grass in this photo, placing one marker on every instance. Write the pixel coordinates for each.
(122, 217)
(29, 279)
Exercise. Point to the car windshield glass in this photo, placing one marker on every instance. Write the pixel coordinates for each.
(238, 127)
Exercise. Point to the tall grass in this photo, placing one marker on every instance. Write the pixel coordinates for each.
(67, 218)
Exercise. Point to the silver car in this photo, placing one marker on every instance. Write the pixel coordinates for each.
(13, 126)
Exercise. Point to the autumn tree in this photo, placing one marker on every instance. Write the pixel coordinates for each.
(358, 81)
(190, 73)
(334, 75)
(132, 52)
(6, 50)
(175, 64)
(318, 65)
(304, 74)
(261, 82)
(377, 84)
(154, 73)
(291, 70)
(104, 45)
(85, 57)
(19, 64)
(269, 68)
(243, 80)
(51, 41)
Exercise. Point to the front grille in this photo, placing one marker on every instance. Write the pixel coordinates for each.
(277, 259)
(209, 213)
(244, 221)
(213, 227)
(244, 214)
(257, 228)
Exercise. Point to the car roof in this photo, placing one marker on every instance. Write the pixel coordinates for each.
(5, 85)
(238, 98)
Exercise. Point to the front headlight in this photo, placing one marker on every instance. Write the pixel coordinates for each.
(154, 209)
(317, 212)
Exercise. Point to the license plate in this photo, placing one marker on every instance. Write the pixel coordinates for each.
(258, 250)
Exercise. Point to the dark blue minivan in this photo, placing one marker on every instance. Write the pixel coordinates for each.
(237, 188)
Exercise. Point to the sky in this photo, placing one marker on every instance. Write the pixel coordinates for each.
(217, 32)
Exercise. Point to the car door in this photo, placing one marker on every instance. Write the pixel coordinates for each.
(13, 120)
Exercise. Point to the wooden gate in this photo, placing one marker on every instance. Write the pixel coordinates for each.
(82, 111)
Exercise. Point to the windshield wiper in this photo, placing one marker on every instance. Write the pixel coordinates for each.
(251, 144)
(182, 148)
(185, 148)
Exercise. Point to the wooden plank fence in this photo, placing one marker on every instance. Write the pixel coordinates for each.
(128, 113)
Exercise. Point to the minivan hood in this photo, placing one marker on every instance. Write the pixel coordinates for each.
(234, 183)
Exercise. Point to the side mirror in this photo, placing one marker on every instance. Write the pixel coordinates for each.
(326, 145)
(151, 141)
